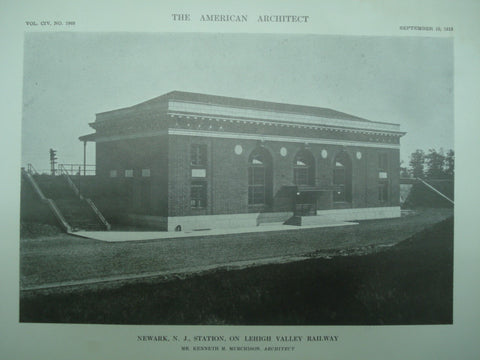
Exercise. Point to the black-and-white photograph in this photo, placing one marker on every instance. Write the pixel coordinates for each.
(236, 179)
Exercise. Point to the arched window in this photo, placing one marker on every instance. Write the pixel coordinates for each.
(342, 178)
(260, 177)
(304, 168)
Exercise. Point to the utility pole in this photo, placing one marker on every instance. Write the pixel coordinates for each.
(53, 161)
(84, 158)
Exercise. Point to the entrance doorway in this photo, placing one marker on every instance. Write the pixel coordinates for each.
(305, 204)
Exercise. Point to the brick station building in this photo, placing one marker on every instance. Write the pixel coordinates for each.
(196, 161)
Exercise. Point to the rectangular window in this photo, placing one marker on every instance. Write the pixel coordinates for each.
(339, 176)
(257, 176)
(198, 188)
(198, 155)
(113, 173)
(129, 173)
(382, 163)
(198, 194)
(256, 194)
(301, 176)
(383, 191)
(256, 185)
(382, 171)
(145, 172)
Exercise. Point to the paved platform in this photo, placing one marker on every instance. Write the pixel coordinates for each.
(118, 236)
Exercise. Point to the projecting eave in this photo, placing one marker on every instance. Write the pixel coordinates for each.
(153, 106)
(89, 137)
(273, 116)
(277, 120)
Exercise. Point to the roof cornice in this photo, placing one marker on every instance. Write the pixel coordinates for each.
(239, 120)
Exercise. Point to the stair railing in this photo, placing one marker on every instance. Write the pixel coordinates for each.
(435, 190)
(99, 214)
(72, 185)
(51, 204)
(31, 169)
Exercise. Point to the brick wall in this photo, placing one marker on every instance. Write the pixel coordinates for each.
(227, 175)
(147, 195)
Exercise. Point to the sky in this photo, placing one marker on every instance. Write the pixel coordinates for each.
(69, 77)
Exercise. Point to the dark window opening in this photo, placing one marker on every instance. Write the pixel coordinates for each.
(383, 183)
(383, 191)
(301, 176)
(342, 178)
(256, 185)
(198, 155)
(382, 163)
(198, 194)
(259, 177)
(383, 167)
(304, 168)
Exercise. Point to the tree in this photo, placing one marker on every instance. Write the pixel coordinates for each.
(449, 166)
(435, 164)
(417, 163)
(404, 173)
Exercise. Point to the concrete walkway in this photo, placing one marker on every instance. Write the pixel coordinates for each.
(117, 236)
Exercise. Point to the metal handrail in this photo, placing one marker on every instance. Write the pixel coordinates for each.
(78, 169)
(31, 169)
(59, 215)
(34, 184)
(69, 181)
(71, 169)
(99, 214)
(87, 200)
(435, 190)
